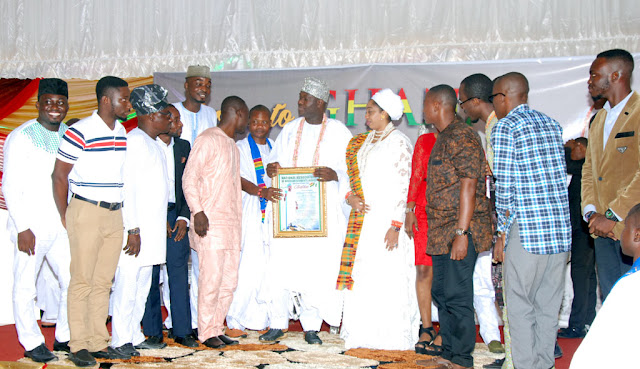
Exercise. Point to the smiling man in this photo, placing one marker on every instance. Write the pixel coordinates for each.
(34, 225)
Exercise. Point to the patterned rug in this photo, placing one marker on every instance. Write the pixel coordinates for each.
(290, 352)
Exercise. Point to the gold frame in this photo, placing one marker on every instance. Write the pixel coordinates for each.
(322, 217)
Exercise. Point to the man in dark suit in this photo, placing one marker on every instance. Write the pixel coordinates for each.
(583, 272)
(178, 215)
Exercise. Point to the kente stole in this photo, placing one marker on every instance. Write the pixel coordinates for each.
(257, 163)
(355, 218)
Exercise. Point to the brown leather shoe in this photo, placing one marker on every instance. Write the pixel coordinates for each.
(214, 342)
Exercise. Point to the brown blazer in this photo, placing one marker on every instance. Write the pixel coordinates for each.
(611, 178)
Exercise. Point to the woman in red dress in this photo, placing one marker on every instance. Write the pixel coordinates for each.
(416, 227)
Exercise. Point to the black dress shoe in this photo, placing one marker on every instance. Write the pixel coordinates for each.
(572, 332)
(128, 349)
(82, 358)
(214, 342)
(227, 341)
(152, 343)
(112, 353)
(495, 365)
(188, 341)
(272, 335)
(40, 354)
(61, 346)
(312, 338)
(170, 333)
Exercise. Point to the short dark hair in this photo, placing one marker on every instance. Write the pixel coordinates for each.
(619, 54)
(234, 102)
(633, 213)
(446, 94)
(477, 85)
(582, 141)
(261, 108)
(106, 83)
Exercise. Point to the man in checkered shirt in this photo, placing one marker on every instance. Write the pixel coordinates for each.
(533, 219)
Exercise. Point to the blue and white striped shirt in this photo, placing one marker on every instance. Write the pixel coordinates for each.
(531, 180)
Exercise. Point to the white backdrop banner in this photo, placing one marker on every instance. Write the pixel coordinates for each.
(558, 88)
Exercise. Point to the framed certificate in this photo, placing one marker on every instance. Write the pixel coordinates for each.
(302, 210)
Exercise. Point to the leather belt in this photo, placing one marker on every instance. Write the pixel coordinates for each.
(112, 206)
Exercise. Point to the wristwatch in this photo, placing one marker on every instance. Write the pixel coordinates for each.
(589, 215)
(134, 231)
(461, 232)
(609, 214)
(409, 210)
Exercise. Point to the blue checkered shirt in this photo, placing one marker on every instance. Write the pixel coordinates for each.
(531, 180)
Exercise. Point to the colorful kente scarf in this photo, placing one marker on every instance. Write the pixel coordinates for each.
(355, 218)
(257, 163)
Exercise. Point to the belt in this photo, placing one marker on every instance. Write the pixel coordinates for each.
(103, 204)
(171, 206)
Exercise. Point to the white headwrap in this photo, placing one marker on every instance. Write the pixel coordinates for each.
(389, 102)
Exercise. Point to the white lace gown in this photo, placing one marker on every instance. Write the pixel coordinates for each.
(381, 311)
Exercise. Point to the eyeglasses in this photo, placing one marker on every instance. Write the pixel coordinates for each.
(491, 97)
(462, 102)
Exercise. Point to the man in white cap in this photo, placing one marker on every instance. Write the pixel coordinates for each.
(312, 140)
(196, 117)
(146, 194)
(29, 156)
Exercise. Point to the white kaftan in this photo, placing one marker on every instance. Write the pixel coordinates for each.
(245, 310)
(310, 266)
(381, 311)
(146, 194)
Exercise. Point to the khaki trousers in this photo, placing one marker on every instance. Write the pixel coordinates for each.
(95, 239)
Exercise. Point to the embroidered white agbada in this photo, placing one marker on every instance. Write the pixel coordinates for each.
(245, 310)
(310, 266)
(381, 311)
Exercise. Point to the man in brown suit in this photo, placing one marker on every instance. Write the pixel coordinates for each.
(611, 172)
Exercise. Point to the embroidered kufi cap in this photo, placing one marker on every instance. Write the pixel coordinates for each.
(389, 102)
(316, 88)
(54, 86)
(199, 71)
(149, 99)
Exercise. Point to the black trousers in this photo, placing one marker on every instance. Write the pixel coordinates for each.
(178, 270)
(452, 293)
(612, 264)
(583, 277)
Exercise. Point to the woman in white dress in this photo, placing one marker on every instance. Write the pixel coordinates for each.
(377, 267)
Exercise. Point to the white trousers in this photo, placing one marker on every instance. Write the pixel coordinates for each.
(128, 300)
(193, 288)
(280, 312)
(165, 293)
(484, 298)
(55, 249)
(48, 293)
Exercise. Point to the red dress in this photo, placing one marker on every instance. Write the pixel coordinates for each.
(417, 193)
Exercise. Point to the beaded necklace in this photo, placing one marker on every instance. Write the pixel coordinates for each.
(316, 155)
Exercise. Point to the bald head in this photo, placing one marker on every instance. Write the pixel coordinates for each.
(516, 84)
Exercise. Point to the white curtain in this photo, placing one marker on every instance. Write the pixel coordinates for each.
(131, 38)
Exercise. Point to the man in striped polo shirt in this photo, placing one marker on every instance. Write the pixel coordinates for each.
(90, 163)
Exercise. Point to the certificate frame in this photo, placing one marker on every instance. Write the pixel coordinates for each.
(292, 219)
